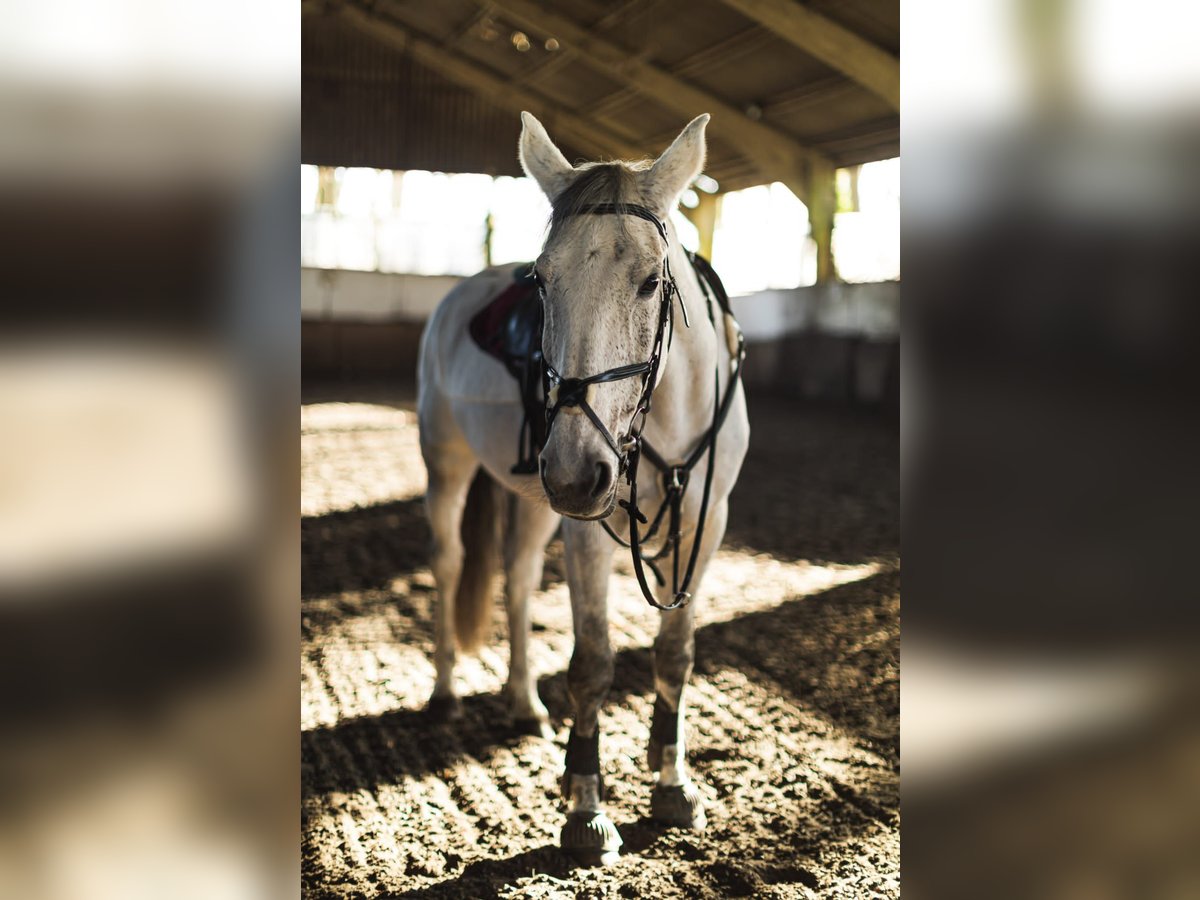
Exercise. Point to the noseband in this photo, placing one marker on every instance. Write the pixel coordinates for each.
(630, 446)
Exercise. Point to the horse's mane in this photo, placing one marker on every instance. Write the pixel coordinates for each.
(611, 182)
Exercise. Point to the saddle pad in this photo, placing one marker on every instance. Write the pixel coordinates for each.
(508, 328)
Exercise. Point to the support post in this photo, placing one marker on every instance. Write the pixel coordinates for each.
(852, 200)
(489, 227)
(327, 187)
(822, 204)
(704, 217)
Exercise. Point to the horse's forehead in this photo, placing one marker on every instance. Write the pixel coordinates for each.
(604, 245)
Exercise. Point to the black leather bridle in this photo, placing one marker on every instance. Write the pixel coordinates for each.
(630, 446)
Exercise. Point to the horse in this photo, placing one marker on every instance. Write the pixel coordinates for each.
(610, 276)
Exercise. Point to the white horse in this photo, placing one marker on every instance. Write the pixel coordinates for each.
(605, 274)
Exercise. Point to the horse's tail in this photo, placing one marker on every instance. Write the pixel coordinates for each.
(476, 588)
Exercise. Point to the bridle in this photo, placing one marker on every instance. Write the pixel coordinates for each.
(566, 392)
(630, 446)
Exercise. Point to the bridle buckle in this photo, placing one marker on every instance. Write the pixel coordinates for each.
(678, 478)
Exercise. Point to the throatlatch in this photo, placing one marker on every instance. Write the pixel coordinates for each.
(630, 447)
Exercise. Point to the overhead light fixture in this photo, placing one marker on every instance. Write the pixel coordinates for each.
(690, 199)
(706, 184)
(488, 30)
(520, 41)
(552, 44)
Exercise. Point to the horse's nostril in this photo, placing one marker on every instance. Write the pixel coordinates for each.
(603, 480)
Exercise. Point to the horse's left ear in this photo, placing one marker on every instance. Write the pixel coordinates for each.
(541, 160)
(677, 167)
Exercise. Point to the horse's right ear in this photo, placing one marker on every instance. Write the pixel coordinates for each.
(541, 160)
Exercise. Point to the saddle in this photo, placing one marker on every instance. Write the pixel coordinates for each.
(509, 329)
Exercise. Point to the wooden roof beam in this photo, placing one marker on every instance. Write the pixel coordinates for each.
(551, 65)
(614, 102)
(722, 53)
(809, 94)
(859, 134)
(439, 58)
(463, 31)
(777, 154)
(399, 15)
(833, 44)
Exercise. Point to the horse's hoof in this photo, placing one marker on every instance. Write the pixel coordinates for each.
(591, 839)
(444, 708)
(678, 805)
(534, 726)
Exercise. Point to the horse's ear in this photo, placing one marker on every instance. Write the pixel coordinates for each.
(677, 167)
(541, 160)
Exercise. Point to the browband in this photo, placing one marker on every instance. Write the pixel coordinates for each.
(627, 209)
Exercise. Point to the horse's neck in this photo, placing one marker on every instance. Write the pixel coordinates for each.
(681, 407)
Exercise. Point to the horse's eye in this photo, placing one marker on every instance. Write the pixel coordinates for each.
(649, 286)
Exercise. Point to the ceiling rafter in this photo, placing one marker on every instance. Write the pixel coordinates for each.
(833, 44)
(463, 31)
(777, 154)
(451, 66)
(860, 131)
(551, 65)
(614, 16)
(721, 53)
(599, 118)
(724, 52)
(600, 122)
(810, 94)
(850, 144)
(614, 102)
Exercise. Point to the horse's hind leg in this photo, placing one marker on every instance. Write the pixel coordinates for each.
(676, 801)
(530, 527)
(450, 474)
(588, 834)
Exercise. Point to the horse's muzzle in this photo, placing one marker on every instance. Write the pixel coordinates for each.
(583, 491)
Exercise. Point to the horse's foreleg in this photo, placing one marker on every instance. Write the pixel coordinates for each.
(674, 652)
(449, 480)
(531, 525)
(589, 833)
(676, 799)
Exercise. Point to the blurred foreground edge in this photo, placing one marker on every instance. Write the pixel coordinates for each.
(1049, 687)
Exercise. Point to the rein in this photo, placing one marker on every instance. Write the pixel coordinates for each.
(630, 446)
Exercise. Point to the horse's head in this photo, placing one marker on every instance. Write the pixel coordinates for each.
(602, 282)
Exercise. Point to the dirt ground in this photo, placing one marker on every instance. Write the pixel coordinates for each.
(794, 706)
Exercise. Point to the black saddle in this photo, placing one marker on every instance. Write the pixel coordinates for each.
(509, 328)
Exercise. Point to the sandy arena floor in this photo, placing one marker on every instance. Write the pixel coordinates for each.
(794, 717)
